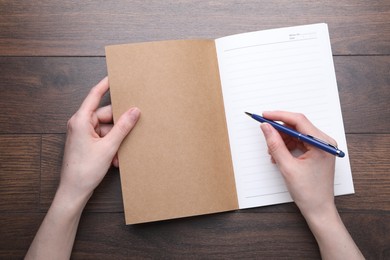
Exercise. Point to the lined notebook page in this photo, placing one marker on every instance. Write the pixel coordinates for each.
(282, 69)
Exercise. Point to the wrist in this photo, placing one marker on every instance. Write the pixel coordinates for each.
(55, 237)
(320, 213)
(69, 202)
(325, 225)
(323, 218)
(332, 237)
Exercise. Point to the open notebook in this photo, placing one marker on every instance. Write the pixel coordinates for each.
(194, 151)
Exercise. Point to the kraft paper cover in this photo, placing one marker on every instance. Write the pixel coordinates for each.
(176, 162)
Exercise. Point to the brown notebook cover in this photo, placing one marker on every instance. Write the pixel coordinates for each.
(176, 162)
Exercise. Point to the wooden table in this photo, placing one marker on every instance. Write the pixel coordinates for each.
(52, 52)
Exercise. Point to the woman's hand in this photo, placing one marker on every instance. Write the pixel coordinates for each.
(91, 146)
(310, 176)
(310, 181)
(92, 143)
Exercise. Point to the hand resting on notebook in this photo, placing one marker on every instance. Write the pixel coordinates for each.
(91, 146)
(310, 181)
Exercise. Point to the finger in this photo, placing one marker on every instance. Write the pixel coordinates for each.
(299, 122)
(115, 161)
(273, 160)
(294, 120)
(92, 101)
(276, 147)
(105, 129)
(121, 129)
(104, 114)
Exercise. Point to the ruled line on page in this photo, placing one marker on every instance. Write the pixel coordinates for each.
(313, 36)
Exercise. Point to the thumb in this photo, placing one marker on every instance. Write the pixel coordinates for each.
(276, 146)
(122, 127)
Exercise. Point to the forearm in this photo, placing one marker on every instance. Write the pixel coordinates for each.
(55, 237)
(332, 236)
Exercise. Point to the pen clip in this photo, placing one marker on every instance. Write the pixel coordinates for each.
(321, 141)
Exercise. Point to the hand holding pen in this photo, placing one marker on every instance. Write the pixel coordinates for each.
(310, 181)
(309, 139)
(310, 176)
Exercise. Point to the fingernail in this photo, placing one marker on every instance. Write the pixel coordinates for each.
(134, 113)
(266, 128)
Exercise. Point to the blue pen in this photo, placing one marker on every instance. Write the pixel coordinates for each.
(302, 137)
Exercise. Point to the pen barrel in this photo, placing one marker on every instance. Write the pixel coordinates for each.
(321, 145)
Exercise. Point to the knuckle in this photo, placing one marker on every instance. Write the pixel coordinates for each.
(93, 89)
(333, 142)
(96, 91)
(73, 122)
(70, 124)
(301, 117)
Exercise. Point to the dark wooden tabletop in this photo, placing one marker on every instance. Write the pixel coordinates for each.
(52, 53)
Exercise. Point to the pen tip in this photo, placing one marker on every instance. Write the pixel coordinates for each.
(249, 114)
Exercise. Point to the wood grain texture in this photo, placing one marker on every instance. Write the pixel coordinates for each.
(74, 28)
(19, 173)
(17, 232)
(41, 93)
(222, 236)
(364, 90)
(219, 236)
(369, 156)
